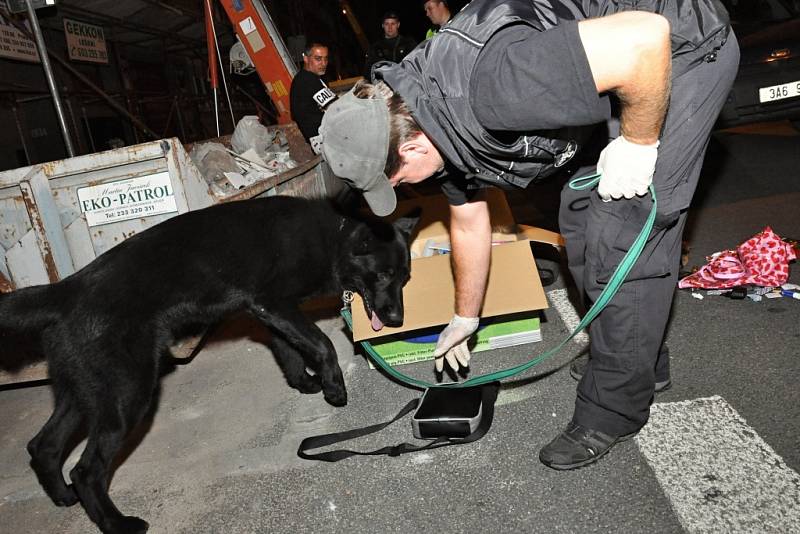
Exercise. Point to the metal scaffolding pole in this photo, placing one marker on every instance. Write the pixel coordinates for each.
(21, 133)
(86, 81)
(48, 73)
(88, 127)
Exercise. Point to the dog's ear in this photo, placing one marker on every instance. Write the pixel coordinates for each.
(408, 222)
(379, 230)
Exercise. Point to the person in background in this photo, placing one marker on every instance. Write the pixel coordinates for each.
(439, 13)
(509, 92)
(309, 95)
(393, 47)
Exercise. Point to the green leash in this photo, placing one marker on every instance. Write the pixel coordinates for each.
(625, 266)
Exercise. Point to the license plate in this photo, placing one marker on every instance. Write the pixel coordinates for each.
(779, 92)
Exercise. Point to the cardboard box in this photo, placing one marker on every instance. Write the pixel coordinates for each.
(434, 225)
(513, 287)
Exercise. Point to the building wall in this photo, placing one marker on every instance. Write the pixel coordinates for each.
(151, 83)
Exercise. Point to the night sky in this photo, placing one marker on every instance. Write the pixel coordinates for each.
(322, 20)
(413, 21)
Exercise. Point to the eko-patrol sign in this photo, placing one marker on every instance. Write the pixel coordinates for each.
(132, 198)
(85, 42)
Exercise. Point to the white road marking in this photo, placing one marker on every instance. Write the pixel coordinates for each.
(560, 301)
(718, 473)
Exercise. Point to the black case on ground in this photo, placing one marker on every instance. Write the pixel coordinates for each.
(448, 412)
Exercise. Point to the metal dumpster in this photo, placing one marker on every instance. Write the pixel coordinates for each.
(56, 217)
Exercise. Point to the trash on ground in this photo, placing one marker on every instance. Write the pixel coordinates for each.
(754, 293)
(763, 260)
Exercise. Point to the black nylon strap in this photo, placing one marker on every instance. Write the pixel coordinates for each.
(488, 397)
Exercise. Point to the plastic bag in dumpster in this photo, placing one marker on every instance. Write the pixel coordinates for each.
(257, 153)
(251, 134)
(762, 260)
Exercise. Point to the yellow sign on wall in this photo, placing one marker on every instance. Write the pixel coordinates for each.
(85, 42)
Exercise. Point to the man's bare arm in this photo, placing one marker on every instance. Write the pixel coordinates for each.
(471, 242)
(630, 55)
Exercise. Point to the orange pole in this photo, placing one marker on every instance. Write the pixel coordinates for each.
(212, 60)
(212, 55)
(252, 31)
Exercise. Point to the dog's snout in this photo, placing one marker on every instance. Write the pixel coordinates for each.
(394, 317)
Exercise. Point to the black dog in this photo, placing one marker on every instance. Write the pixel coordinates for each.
(106, 330)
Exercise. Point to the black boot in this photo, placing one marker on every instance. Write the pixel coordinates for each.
(578, 446)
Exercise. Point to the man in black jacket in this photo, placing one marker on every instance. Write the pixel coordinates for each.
(506, 92)
(309, 95)
(393, 47)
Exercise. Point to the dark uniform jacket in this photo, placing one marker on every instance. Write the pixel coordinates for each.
(308, 97)
(393, 50)
(436, 86)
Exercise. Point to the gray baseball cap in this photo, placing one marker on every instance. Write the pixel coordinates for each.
(355, 143)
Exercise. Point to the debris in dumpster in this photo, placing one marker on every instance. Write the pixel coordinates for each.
(762, 260)
(250, 159)
(236, 179)
(257, 152)
(250, 134)
(213, 161)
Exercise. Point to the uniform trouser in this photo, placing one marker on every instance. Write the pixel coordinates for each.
(627, 337)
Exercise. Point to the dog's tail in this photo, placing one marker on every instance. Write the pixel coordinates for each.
(28, 310)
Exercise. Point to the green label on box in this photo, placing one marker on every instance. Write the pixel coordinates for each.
(506, 331)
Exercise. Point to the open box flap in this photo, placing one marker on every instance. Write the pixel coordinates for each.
(434, 223)
(539, 235)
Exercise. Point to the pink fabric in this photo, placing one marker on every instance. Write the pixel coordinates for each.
(762, 260)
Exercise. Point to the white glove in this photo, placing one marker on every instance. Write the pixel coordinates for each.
(452, 344)
(626, 169)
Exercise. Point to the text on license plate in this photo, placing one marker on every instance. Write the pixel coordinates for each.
(778, 92)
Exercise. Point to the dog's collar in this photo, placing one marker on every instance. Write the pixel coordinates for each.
(347, 297)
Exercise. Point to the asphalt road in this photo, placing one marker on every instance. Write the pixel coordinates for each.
(720, 454)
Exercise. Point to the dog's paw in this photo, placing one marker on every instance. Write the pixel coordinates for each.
(308, 384)
(336, 396)
(68, 497)
(127, 525)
